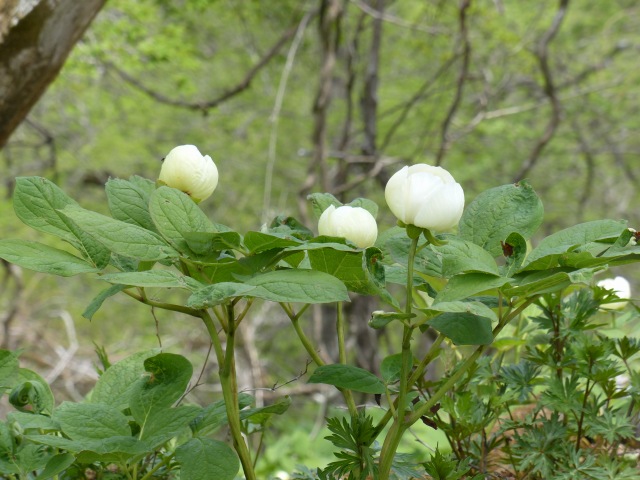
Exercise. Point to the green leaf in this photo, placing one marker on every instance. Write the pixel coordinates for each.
(9, 368)
(174, 214)
(116, 384)
(214, 415)
(32, 393)
(549, 251)
(463, 328)
(344, 265)
(390, 368)
(321, 201)
(115, 449)
(548, 281)
(37, 202)
(91, 421)
(205, 244)
(163, 424)
(168, 377)
(290, 227)
(349, 377)
(515, 251)
(369, 205)
(465, 285)
(43, 258)
(153, 278)
(260, 415)
(129, 202)
(56, 464)
(426, 261)
(32, 421)
(297, 285)
(99, 299)
(258, 242)
(461, 256)
(475, 308)
(202, 458)
(498, 212)
(121, 237)
(218, 293)
(382, 319)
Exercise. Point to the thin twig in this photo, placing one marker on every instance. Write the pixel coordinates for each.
(445, 141)
(206, 105)
(549, 89)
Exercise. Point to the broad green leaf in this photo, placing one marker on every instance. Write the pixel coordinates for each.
(32, 393)
(463, 328)
(121, 237)
(116, 449)
(426, 261)
(163, 424)
(9, 367)
(258, 242)
(548, 252)
(202, 458)
(115, 385)
(344, 265)
(99, 299)
(474, 308)
(26, 459)
(498, 212)
(349, 377)
(321, 201)
(91, 421)
(468, 284)
(32, 421)
(57, 464)
(297, 285)
(174, 214)
(129, 203)
(153, 278)
(462, 256)
(43, 258)
(37, 202)
(391, 367)
(167, 378)
(218, 293)
(214, 415)
(204, 244)
(548, 281)
(289, 226)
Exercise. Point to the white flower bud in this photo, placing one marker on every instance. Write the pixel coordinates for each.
(187, 170)
(620, 287)
(353, 223)
(425, 196)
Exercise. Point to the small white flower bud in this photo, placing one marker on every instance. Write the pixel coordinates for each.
(186, 169)
(353, 223)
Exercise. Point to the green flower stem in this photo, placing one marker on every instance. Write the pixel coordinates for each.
(468, 363)
(434, 351)
(394, 435)
(348, 396)
(213, 334)
(308, 346)
(165, 461)
(229, 384)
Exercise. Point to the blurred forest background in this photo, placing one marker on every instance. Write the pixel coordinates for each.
(291, 97)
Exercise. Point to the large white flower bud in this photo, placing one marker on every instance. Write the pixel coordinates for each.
(425, 196)
(186, 169)
(353, 223)
(620, 287)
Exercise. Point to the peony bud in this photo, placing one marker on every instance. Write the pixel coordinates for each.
(425, 196)
(620, 287)
(186, 169)
(353, 223)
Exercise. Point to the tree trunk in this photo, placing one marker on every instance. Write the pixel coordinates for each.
(36, 37)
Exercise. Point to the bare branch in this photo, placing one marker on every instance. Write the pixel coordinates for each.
(369, 99)
(207, 105)
(549, 90)
(445, 141)
(378, 14)
(589, 159)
